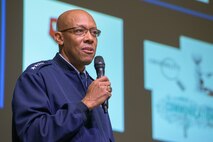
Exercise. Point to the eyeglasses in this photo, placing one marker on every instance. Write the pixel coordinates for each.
(81, 31)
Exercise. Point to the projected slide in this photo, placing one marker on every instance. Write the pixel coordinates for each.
(183, 9)
(180, 81)
(38, 44)
(2, 51)
(204, 1)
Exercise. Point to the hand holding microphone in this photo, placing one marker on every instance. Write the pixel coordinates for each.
(100, 90)
(100, 70)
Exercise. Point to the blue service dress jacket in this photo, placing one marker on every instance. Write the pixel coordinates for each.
(47, 106)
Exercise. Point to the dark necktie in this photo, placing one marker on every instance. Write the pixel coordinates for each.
(83, 79)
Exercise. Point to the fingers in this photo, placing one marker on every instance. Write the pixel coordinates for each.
(104, 82)
(109, 88)
(98, 91)
(103, 79)
(92, 100)
(106, 86)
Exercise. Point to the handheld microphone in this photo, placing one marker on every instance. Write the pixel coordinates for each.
(100, 70)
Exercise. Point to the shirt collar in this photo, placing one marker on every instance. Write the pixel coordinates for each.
(72, 65)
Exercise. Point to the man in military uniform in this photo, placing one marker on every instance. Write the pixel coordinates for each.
(57, 100)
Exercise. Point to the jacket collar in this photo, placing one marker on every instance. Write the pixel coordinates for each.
(63, 63)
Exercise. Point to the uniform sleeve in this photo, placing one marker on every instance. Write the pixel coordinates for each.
(32, 115)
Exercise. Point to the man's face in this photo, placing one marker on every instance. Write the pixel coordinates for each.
(79, 49)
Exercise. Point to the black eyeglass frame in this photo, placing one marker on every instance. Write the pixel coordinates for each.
(85, 30)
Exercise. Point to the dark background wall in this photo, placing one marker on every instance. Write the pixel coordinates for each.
(142, 21)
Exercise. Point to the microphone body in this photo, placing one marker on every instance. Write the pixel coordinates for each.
(100, 70)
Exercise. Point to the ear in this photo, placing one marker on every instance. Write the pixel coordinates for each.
(59, 38)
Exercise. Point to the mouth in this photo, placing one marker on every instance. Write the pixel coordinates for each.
(88, 50)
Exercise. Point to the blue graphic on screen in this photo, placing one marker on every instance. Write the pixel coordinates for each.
(39, 45)
(181, 85)
(182, 9)
(2, 52)
(204, 1)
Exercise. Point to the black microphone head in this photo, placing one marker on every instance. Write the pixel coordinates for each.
(99, 62)
(99, 66)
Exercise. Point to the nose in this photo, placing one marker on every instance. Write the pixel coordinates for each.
(88, 37)
(89, 33)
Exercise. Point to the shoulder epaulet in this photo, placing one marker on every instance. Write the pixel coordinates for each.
(39, 65)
